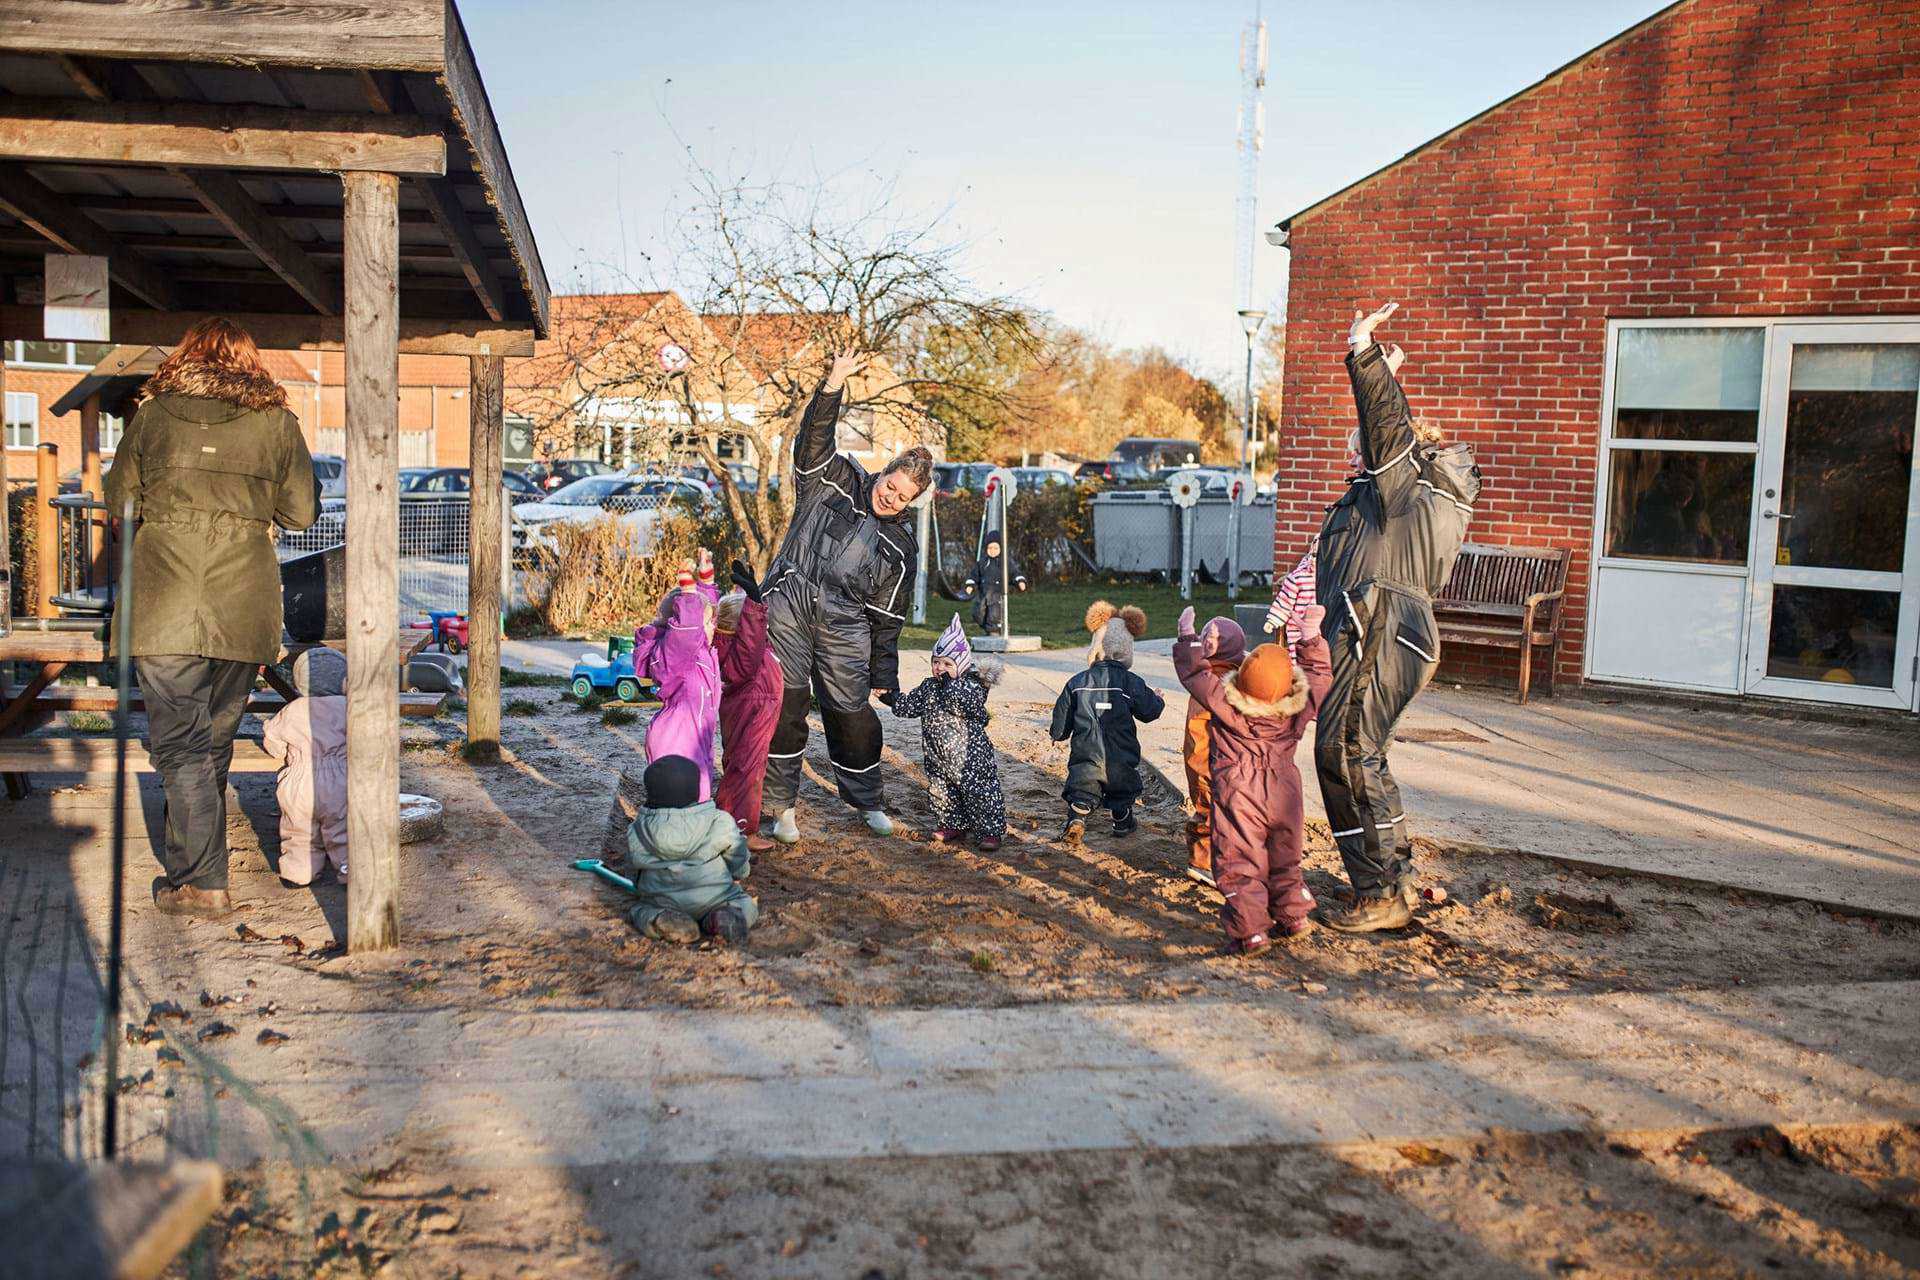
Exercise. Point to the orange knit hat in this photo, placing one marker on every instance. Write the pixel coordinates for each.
(1267, 674)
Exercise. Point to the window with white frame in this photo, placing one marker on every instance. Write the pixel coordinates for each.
(112, 428)
(1683, 444)
(22, 420)
(57, 355)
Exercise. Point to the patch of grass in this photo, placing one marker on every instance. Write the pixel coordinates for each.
(1056, 612)
(521, 707)
(615, 716)
(480, 752)
(592, 702)
(530, 680)
(980, 962)
(89, 721)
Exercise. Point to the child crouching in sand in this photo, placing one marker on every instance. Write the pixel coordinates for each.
(1259, 713)
(963, 775)
(688, 859)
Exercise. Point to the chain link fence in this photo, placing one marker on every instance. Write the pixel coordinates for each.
(434, 548)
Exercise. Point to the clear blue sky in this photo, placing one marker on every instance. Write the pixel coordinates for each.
(1086, 149)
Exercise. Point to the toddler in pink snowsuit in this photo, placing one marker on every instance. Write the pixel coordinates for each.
(751, 690)
(309, 736)
(676, 652)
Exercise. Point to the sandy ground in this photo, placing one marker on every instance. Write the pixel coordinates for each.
(497, 920)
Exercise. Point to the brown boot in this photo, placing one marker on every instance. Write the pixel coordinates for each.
(185, 900)
(1370, 915)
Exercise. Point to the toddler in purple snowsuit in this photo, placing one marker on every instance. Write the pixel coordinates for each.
(676, 652)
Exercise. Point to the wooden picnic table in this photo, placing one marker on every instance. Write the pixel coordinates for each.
(70, 1221)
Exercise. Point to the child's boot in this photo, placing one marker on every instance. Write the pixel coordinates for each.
(989, 843)
(727, 924)
(667, 926)
(786, 828)
(949, 835)
(1250, 946)
(1124, 823)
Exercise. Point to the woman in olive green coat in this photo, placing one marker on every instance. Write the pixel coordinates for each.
(212, 461)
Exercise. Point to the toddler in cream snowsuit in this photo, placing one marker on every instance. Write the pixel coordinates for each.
(309, 736)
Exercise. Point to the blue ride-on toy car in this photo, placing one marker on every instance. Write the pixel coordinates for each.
(615, 672)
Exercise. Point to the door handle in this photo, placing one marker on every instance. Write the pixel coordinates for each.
(1777, 515)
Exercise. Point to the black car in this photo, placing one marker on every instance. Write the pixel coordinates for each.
(562, 472)
(436, 507)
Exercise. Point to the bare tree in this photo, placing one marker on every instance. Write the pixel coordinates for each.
(768, 281)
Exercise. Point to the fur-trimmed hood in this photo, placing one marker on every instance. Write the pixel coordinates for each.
(216, 382)
(988, 671)
(1254, 708)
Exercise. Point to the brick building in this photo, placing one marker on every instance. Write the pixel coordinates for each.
(1671, 295)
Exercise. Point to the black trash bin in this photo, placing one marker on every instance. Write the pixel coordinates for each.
(313, 594)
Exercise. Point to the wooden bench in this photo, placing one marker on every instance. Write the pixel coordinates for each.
(96, 756)
(68, 697)
(1507, 597)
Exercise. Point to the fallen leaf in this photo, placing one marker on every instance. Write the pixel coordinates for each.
(437, 1220)
(269, 1036)
(1427, 1157)
(215, 1031)
(292, 943)
(146, 1034)
(247, 935)
(168, 1009)
(170, 1058)
(791, 1247)
(1314, 988)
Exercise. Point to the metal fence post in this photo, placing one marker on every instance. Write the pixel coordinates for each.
(923, 524)
(1186, 553)
(1233, 538)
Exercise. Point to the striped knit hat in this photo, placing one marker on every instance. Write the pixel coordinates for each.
(953, 645)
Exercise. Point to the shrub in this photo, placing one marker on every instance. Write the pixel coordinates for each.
(21, 535)
(521, 707)
(613, 717)
(1044, 522)
(598, 580)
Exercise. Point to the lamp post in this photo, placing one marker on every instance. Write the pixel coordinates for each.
(1250, 322)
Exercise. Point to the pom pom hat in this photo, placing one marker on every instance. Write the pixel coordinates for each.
(1114, 631)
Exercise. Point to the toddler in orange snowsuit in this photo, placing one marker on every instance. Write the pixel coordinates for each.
(1258, 714)
(1223, 644)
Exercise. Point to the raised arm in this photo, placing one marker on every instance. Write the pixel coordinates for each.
(1316, 664)
(1190, 664)
(814, 429)
(741, 661)
(1386, 423)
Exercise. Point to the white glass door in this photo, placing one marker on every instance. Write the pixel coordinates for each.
(1836, 561)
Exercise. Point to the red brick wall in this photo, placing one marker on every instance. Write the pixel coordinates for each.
(1731, 158)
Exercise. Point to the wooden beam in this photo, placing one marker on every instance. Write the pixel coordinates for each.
(486, 392)
(373, 571)
(86, 79)
(167, 207)
(237, 211)
(419, 335)
(61, 130)
(90, 474)
(70, 231)
(96, 755)
(398, 35)
(473, 115)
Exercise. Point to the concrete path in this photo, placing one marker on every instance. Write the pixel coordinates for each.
(586, 1088)
(1829, 812)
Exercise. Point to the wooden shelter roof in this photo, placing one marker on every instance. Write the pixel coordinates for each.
(197, 147)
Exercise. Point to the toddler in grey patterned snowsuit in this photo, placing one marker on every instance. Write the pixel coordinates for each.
(963, 775)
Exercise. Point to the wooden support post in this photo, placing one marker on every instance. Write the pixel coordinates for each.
(46, 532)
(90, 475)
(372, 236)
(486, 393)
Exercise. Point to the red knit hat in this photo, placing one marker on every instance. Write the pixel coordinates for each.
(1267, 674)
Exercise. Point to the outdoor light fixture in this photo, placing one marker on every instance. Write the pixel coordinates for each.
(1250, 321)
(1278, 234)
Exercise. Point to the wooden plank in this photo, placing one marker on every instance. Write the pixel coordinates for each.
(237, 211)
(474, 117)
(90, 481)
(96, 755)
(53, 646)
(395, 35)
(486, 381)
(124, 1220)
(264, 702)
(173, 207)
(22, 709)
(70, 231)
(373, 572)
(419, 336)
(164, 135)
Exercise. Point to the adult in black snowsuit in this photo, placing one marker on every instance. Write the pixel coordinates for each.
(837, 596)
(984, 585)
(1386, 546)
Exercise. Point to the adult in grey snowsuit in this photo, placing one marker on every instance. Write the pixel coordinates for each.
(837, 596)
(1386, 546)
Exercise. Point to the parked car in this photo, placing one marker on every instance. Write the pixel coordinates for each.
(330, 469)
(1212, 479)
(450, 480)
(1030, 478)
(556, 475)
(960, 477)
(636, 500)
(1112, 472)
(1156, 452)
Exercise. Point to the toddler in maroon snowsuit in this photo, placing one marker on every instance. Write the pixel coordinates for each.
(1259, 714)
(750, 692)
